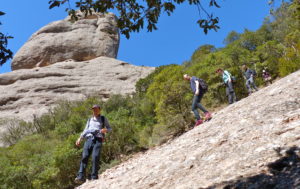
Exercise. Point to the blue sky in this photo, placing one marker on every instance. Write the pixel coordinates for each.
(177, 37)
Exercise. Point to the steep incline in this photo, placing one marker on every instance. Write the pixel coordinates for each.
(239, 141)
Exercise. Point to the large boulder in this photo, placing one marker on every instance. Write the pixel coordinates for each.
(29, 92)
(90, 37)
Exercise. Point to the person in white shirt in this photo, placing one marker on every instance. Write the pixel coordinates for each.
(94, 132)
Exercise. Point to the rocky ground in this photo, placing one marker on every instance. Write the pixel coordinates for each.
(251, 142)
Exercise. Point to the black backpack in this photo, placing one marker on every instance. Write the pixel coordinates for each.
(254, 73)
(203, 85)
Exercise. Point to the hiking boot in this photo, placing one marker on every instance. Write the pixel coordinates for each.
(208, 116)
(79, 180)
(198, 122)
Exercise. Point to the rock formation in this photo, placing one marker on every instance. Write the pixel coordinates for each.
(29, 92)
(90, 37)
(66, 61)
(239, 142)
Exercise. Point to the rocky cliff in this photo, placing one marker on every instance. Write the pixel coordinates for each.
(242, 140)
(29, 92)
(88, 38)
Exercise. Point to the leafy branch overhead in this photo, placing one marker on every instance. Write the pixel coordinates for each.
(133, 14)
(5, 53)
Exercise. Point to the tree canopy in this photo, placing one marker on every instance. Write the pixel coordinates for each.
(132, 14)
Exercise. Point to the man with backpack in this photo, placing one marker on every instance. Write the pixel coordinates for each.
(249, 77)
(199, 87)
(228, 80)
(94, 132)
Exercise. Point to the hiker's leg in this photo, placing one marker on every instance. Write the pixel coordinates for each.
(230, 98)
(253, 85)
(234, 96)
(228, 93)
(96, 158)
(85, 157)
(194, 107)
(248, 86)
(199, 105)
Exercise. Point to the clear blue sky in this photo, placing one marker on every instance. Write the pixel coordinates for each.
(177, 37)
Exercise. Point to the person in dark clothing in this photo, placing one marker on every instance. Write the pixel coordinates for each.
(198, 94)
(266, 77)
(94, 132)
(228, 81)
(249, 77)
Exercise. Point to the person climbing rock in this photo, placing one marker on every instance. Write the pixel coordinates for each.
(198, 91)
(94, 132)
(249, 77)
(228, 80)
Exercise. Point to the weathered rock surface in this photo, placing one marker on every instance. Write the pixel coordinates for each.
(239, 141)
(94, 36)
(27, 92)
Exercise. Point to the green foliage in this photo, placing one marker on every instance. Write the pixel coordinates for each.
(43, 155)
(231, 37)
(134, 14)
(5, 53)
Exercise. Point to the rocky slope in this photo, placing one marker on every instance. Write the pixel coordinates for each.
(90, 37)
(29, 92)
(240, 141)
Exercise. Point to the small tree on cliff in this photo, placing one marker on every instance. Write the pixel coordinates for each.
(5, 53)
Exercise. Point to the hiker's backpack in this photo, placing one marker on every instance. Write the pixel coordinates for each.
(254, 73)
(233, 79)
(203, 85)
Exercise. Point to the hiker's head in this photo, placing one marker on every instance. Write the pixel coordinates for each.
(186, 77)
(219, 71)
(244, 67)
(96, 109)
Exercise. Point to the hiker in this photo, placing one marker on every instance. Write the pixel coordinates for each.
(249, 77)
(228, 80)
(266, 77)
(198, 94)
(94, 132)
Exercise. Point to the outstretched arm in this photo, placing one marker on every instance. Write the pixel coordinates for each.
(82, 134)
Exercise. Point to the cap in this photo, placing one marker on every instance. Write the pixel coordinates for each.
(218, 70)
(96, 106)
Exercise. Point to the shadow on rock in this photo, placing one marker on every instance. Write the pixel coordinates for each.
(282, 174)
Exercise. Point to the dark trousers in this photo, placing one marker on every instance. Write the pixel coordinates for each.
(250, 83)
(196, 104)
(91, 147)
(230, 93)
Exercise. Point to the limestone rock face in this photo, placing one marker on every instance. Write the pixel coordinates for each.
(29, 92)
(240, 140)
(90, 37)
